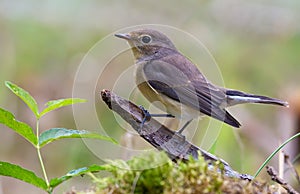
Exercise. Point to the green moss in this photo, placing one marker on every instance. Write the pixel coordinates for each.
(155, 173)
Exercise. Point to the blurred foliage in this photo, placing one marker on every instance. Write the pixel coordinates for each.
(255, 44)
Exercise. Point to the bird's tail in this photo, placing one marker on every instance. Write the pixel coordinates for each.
(237, 97)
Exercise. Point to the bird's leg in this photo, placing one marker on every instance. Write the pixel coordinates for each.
(162, 115)
(147, 115)
(183, 127)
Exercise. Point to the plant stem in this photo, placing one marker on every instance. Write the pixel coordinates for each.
(275, 152)
(39, 154)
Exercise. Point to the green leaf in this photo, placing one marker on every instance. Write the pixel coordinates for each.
(55, 104)
(15, 171)
(60, 133)
(8, 119)
(73, 173)
(25, 96)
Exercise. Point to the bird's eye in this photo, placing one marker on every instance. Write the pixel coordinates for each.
(146, 39)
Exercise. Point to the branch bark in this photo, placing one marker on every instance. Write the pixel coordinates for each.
(159, 136)
(274, 176)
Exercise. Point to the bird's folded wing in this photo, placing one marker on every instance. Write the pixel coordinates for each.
(184, 83)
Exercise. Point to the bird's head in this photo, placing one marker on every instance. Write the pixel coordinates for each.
(146, 42)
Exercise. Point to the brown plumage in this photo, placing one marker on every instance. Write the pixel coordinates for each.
(164, 74)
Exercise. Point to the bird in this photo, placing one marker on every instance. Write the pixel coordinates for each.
(164, 74)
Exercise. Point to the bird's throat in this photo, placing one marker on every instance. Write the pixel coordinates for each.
(136, 53)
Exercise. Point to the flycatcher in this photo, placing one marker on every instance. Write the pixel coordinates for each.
(164, 74)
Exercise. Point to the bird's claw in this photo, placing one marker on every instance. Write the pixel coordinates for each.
(180, 135)
(146, 115)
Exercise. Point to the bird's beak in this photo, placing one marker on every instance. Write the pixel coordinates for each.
(124, 36)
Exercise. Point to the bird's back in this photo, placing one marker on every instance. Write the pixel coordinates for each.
(175, 81)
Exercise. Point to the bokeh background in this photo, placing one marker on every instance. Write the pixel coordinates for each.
(255, 44)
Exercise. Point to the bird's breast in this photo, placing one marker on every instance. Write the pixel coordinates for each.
(143, 85)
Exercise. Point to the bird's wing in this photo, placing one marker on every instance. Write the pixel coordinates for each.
(178, 78)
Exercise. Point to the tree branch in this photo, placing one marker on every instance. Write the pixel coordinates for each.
(274, 176)
(159, 136)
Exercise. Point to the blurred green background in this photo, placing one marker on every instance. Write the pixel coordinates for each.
(256, 45)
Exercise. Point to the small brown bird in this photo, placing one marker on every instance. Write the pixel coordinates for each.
(164, 74)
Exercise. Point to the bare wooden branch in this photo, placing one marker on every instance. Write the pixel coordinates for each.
(159, 136)
(273, 174)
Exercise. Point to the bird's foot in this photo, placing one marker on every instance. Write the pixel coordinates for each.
(179, 132)
(180, 135)
(146, 114)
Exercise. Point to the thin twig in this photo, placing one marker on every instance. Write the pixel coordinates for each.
(274, 176)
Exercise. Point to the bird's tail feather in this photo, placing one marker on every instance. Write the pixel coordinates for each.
(229, 119)
(238, 97)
